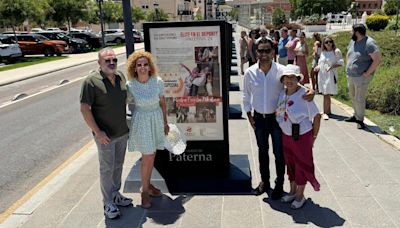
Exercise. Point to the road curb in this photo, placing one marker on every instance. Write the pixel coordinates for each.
(11, 81)
(372, 127)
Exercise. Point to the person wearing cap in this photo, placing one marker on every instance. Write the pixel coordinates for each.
(363, 58)
(282, 51)
(260, 94)
(300, 122)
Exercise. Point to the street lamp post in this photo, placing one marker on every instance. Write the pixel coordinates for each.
(397, 17)
(155, 4)
(101, 23)
(129, 41)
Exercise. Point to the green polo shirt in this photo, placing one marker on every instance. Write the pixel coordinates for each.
(108, 103)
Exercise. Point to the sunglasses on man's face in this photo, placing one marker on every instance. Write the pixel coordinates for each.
(108, 61)
(266, 50)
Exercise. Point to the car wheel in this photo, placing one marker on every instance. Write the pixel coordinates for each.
(48, 52)
(59, 54)
(11, 60)
(118, 41)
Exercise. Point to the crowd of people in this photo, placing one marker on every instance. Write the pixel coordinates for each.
(275, 100)
(278, 98)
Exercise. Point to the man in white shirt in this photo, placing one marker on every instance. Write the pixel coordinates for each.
(261, 91)
(263, 35)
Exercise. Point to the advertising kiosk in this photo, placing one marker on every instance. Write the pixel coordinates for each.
(193, 59)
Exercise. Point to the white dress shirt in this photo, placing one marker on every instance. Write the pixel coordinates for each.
(261, 91)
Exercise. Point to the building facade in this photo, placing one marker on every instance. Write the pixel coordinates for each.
(369, 6)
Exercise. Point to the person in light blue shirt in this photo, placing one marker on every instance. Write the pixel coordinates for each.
(282, 51)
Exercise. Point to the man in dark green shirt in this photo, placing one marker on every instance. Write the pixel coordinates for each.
(103, 106)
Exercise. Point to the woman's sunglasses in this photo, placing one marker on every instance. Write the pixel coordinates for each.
(329, 42)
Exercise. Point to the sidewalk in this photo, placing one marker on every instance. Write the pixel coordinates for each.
(359, 176)
(22, 73)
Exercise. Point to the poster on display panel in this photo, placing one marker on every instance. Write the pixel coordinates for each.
(189, 61)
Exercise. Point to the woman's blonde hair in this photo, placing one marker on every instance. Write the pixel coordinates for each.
(131, 64)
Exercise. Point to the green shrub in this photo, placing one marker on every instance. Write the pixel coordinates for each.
(384, 91)
(377, 22)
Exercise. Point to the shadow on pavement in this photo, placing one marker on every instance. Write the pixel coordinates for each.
(310, 213)
(164, 211)
(337, 117)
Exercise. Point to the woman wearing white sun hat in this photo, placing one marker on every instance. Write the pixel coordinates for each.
(299, 121)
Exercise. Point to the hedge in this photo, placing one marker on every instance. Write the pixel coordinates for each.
(377, 22)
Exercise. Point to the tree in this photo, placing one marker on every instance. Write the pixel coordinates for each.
(70, 11)
(157, 15)
(14, 12)
(112, 12)
(278, 17)
(309, 7)
(390, 7)
(234, 14)
(138, 14)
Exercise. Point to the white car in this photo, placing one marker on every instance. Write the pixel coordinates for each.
(114, 36)
(9, 50)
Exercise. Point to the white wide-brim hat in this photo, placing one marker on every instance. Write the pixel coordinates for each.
(291, 70)
(175, 141)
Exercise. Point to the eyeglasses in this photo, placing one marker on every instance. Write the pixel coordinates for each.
(142, 65)
(329, 42)
(108, 61)
(266, 50)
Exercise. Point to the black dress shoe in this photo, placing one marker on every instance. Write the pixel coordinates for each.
(351, 119)
(360, 125)
(261, 188)
(277, 193)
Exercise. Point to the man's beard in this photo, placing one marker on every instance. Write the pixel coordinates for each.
(354, 37)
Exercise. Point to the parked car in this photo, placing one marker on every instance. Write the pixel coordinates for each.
(36, 30)
(76, 45)
(9, 49)
(138, 36)
(114, 36)
(93, 40)
(53, 29)
(33, 44)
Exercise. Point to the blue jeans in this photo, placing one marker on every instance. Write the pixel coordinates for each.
(266, 126)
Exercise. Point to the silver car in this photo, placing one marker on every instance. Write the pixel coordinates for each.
(9, 49)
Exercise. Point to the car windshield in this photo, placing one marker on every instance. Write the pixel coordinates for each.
(63, 36)
(6, 40)
(40, 37)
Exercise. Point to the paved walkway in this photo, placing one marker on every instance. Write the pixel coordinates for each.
(359, 175)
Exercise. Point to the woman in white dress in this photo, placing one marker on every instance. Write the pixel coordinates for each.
(330, 59)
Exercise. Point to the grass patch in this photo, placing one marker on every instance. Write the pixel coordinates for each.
(28, 61)
(383, 98)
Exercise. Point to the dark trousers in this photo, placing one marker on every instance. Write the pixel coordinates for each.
(266, 126)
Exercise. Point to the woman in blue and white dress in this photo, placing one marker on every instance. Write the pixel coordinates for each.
(330, 59)
(149, 117)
